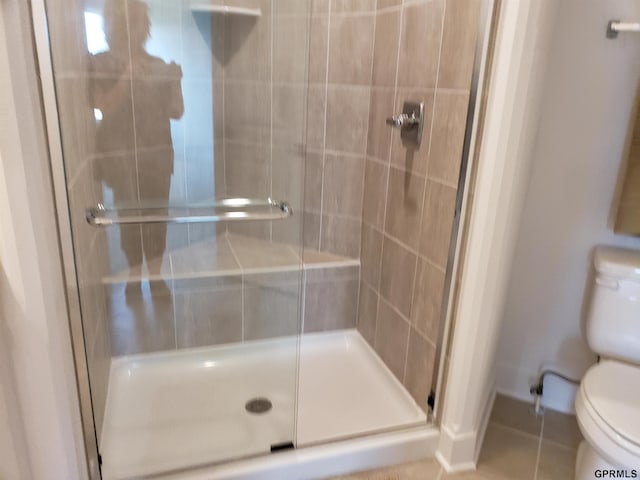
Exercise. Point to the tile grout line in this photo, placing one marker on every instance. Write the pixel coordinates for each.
(383, 10)
(346, 216)
(301, 311)
(410, 249)
(242, 274)
(517, 431)
(224, 116)
(183, 127)
(271, 112)
(425, 180)
(304, 301)
(133, 115)
(414, 173)
(405, 319)
(364, 171)
(173, 302)
(386, 188)
(433, 111)
(535, 471)
(324, 123)
(342, 84)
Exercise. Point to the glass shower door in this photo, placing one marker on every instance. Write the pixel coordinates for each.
(182, 126)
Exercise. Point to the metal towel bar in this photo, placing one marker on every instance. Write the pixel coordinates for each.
(227, 210)
(614, 27)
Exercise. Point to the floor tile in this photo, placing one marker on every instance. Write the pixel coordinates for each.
(513, 413)
(562, 429)
(510, 449)
(556, 462)
(472, 475)
(508, 454)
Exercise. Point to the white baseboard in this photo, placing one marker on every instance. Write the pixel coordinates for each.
(461, 467)
(458, 452)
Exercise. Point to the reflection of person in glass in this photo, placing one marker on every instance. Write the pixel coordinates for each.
(138, 95)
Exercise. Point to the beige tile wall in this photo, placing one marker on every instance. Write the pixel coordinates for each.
(423, 51)
(339, 89)
(261, 86)
(213, 310)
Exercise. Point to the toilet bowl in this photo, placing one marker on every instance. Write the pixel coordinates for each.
(608, 400)
(608, 413)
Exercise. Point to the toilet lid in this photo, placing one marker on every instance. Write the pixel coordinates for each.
(613, 390)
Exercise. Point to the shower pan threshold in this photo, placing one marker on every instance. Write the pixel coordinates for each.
(165, 411)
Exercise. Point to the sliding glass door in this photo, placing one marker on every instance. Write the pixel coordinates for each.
(182, 126)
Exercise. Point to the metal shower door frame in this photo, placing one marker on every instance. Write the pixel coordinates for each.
(61, 199)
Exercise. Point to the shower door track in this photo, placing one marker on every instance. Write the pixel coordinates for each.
(322, 460)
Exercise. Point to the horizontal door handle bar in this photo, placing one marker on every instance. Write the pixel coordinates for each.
(227, 210)
(614, 27)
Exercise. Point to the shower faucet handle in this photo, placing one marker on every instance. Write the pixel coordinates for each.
(394, 121)
(403, 119)
(410, 122)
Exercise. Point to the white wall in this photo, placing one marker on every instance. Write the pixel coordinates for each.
(40, 435)
(588, 94)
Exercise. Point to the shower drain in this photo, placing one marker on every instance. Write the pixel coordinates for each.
(258, 405)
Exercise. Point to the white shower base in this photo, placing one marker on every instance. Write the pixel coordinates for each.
(171, 411)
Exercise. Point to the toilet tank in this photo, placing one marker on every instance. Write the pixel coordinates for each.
(613, 318)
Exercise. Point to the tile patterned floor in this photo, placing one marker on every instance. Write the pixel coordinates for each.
(518, 446)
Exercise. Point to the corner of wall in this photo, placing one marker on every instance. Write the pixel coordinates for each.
(459, 452)
(504, 164)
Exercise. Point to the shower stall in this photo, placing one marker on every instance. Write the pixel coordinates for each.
(257, 260)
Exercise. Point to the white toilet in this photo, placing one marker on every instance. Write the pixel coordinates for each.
(608, 400)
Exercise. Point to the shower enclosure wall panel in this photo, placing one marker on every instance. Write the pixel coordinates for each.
(340, 56)
(410, 193)
(245, 301)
